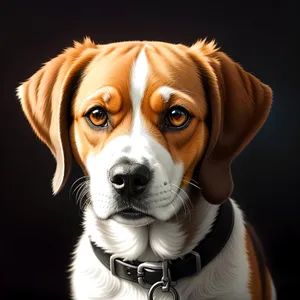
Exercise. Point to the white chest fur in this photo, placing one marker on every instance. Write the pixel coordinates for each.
(226, 277)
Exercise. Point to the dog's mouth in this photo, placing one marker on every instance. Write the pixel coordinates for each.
(132, 214)
(133, 217)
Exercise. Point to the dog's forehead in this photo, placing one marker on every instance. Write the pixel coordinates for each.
(165, 65)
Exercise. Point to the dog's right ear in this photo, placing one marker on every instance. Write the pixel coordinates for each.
(45, 99)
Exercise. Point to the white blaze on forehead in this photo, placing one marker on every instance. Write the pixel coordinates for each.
(139, 77)
(138, 83)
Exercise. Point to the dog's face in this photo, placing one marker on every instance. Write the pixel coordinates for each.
(139, 130)
(143, 116)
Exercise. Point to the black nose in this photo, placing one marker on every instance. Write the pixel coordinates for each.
(129, 179)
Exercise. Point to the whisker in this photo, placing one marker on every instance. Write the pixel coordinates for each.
(174, 211)
(196, 186)
(181, 189)
(185, 206)
(81, 186)
(84, 190)
(191, 180)
(71, 192)
(81, 191)
(182, 201)
(84, 197)
(85, 203)
(82, 177)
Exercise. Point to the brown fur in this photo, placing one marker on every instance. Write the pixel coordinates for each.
(254, 284)
(44, 99)
(240, 104)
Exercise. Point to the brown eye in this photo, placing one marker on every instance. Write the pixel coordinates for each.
(177, 117)
(97, 117)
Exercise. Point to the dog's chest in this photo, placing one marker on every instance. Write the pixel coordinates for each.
(92, 280)
(226, 277)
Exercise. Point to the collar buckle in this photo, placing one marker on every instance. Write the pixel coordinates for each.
(143, 268)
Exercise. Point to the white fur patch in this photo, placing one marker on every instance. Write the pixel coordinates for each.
(138, 82)
(166, 93)
(106, 97)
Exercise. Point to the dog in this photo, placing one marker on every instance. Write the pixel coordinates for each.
(155, 127)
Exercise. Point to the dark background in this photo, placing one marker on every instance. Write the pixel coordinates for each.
(38, 231)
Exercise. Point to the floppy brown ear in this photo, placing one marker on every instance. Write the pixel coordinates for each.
(45, 101)
(239, 105)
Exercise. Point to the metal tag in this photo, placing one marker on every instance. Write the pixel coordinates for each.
(161, 285)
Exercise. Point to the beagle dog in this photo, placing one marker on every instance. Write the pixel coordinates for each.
(155, 127)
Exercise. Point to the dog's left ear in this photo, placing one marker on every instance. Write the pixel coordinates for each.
(239, 104)
(45, 99)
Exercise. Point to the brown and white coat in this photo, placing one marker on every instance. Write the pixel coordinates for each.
(136, 83)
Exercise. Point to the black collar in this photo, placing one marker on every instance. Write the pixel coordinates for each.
(149, 273)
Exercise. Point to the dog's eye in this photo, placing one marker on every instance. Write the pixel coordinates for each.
(177, 117)
(97, 117)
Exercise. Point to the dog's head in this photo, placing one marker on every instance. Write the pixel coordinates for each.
(143, 119)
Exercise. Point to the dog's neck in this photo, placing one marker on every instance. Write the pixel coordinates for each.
(157, 241)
